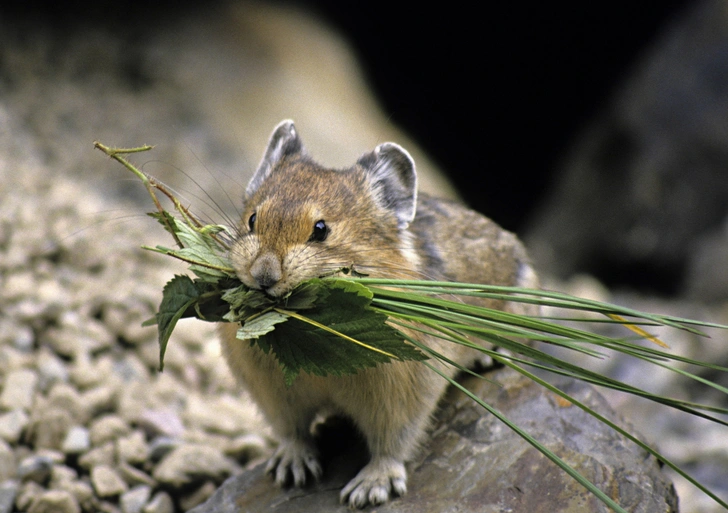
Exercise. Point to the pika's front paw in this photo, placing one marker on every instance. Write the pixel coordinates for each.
(292, 462)
(376, 483)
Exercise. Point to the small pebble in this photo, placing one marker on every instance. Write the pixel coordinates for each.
(197, 497)
(8, 492)
(98, 399)
(133, 476)
(161, 421)
(49, 426)
(60, 475)
(51, 292)
(19, 285)
(88, 372)
(103, 455)
(160, 503)
(222, 415)
(193, 463)
(19, 389)
(77, 441)
(81, 490)
(7, 462)
(35, 468)
(106, 481)
(106, 507)
(134, 500)
(24, 339)
(31, 310)
(65, 396)
(28, 492)
(55, 501)
(247, 447)
(56, 457)
(107, 429)
(51, 369)
(131, 369)
(132, 448)
(12, 425)
(11, 359)
(161, 446)
(65, 342)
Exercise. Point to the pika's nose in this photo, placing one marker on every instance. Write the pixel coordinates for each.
(266, 271)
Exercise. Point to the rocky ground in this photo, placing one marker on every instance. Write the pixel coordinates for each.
(87, 423)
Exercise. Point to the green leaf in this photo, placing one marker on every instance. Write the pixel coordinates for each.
(200, 246)
(183, 297)
(301, 345)
(207, 256)
(260, 325)
(244, 302)
(179, 294)
(167, 220)
(305, 296)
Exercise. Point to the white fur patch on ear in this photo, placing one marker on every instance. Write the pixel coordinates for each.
(283, 141)
(392, 173)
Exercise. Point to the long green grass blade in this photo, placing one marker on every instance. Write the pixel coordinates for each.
(545, 298)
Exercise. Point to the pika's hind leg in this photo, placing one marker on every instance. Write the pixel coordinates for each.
(296, 458)
(289, 410)
(392, 406)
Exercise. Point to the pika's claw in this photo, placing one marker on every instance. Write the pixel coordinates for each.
(292, 462)
(376, 483)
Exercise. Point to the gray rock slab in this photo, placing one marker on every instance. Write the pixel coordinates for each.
(474, 463)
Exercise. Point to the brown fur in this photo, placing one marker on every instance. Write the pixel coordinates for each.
(368, 212)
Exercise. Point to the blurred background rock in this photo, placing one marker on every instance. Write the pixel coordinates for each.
(596, 131)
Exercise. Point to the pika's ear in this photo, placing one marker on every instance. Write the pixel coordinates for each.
(393, 177)
(283, 142)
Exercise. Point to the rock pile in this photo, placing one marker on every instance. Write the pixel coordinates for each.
(87, 424)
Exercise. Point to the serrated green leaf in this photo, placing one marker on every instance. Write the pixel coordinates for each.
(349, 286)
(260, 325)
(179, 294)
(303, 346)
(207, 257)
(244, 302)
(166, 219)
(305, 296)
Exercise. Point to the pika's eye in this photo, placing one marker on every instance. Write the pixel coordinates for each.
(320, 231)
(251, 222)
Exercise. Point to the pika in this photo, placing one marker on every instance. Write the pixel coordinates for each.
(301, 220)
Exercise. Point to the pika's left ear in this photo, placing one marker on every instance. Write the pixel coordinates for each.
(284, 141)
(392, 174)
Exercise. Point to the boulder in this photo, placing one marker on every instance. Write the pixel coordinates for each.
(474, 463)
(641, 196)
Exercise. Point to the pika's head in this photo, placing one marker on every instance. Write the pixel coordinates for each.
(301, 220)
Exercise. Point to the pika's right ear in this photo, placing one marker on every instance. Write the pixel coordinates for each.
(392, 174)
(283, 142)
